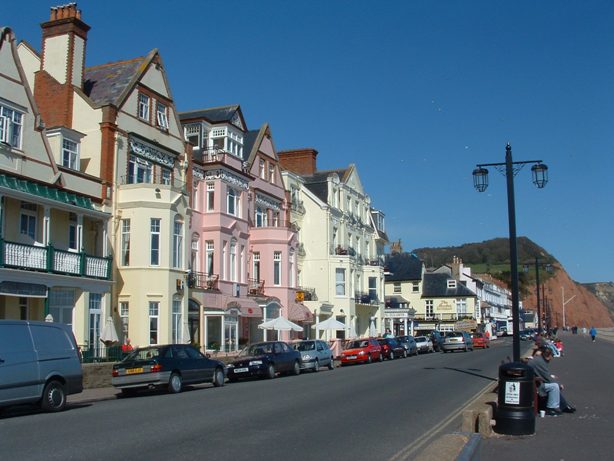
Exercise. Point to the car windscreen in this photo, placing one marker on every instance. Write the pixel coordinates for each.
(305, 346)
(257, 349)
(356, 344)
(146, 353)
(420, 339)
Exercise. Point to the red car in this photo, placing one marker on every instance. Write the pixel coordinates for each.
(480, 340)
(361, 351)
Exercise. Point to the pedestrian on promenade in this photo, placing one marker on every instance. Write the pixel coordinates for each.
(388, 334)
(549, 387)
(593, 333)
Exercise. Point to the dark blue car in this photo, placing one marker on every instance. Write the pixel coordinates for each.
(265, 360)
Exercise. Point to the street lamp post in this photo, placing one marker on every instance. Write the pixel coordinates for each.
(515, 414)
(548, 268)
(480, 181)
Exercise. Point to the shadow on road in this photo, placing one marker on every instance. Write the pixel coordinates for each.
(468, 371)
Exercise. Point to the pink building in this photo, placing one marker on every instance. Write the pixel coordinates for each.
(242, 268)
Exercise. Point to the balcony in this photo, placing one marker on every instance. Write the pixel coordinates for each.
(366, 298)
(343, 250)
(203, 281)
(52, 260)
(156, 179)
(255, 287)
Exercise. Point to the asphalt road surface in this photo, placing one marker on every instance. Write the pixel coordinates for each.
(381, 411)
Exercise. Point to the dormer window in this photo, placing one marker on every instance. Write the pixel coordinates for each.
(451, 283)
(11, 122)
(70, 154)
(144, 105)
(162, 115)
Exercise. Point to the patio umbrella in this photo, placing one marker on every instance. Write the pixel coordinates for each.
(330, 323)
(372, 331)
(108, 335)
(280, 324)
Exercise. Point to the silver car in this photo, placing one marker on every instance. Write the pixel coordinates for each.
(457, 341)
(314, 354)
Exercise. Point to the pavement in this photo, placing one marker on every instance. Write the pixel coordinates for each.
(587, 372)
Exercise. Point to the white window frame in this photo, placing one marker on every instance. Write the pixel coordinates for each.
(11, 126)
(461, 306)
(262, 169)
(124, 316)
(154, 322)
(396, 287)
(177, 244)
(260, 217)
(271, 173)
(162, 115)
(70, 153)
(209, 255)
(28, 220)
(125, 243)
(233, 202)
(140, 171)
(154, 241)
(277, 268)
(233, 261)
(210, 196)
(144, 106)
(73, 232)
(176, 322)
(429, 308)
(256, 266)
(451, 283)
(340, 282)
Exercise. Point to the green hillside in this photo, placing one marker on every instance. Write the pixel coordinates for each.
(492, 257)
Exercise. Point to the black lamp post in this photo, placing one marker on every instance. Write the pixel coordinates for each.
(480, 181)
(548, 268)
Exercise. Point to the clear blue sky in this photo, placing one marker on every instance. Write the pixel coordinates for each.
(415, 93)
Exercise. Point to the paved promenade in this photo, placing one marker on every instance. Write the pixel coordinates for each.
(587, 372)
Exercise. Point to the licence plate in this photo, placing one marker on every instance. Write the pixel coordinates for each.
(241, 370)
(351, 357)
(133, 371)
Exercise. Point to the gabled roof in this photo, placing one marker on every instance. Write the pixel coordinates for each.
(112, 82)
(249, 141)
(403, 266)
(318, 182)
(436, 286)
(223, 114)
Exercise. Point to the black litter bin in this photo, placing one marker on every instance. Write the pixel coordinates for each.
(515, 414)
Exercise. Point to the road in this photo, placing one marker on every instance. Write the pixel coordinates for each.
(382, 411)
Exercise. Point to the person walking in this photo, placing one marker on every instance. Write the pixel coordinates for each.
(593, 333)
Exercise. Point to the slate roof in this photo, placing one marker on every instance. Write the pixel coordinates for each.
(436, 286)
(107, 83)
(317, 183)
(248, 142)
(213, 115)
(403, 266)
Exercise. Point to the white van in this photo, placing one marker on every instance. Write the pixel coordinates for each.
(39, 363)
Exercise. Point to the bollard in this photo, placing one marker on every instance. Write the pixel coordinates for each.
(515, 413)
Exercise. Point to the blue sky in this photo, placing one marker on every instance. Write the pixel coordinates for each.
(415, 93)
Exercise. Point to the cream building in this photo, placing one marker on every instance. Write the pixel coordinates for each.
(341, 241)
(117, 123)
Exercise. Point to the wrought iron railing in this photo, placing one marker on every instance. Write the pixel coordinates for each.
(365, 298)
(50, 259)
(203, 281)
(255, 287)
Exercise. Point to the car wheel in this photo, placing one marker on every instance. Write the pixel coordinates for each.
(270, 371)
(405, 354)
(296, 369)
(54, 397)
(369, 359)
(128, 392)
(218, 377)
(381, 357)
(175, 383)
(391, 356)
(331, 364)
(316, 366)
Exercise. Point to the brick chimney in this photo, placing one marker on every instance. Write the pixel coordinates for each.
(300, 161)
(62, 65)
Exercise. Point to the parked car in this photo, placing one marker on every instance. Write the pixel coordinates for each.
(457, 340)
(480, 340)
(169, 366)
(361, 351)
(265, 360)
(314, 354)
(391, 348)
(39, 363)
(409, 343)
(424, 344)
